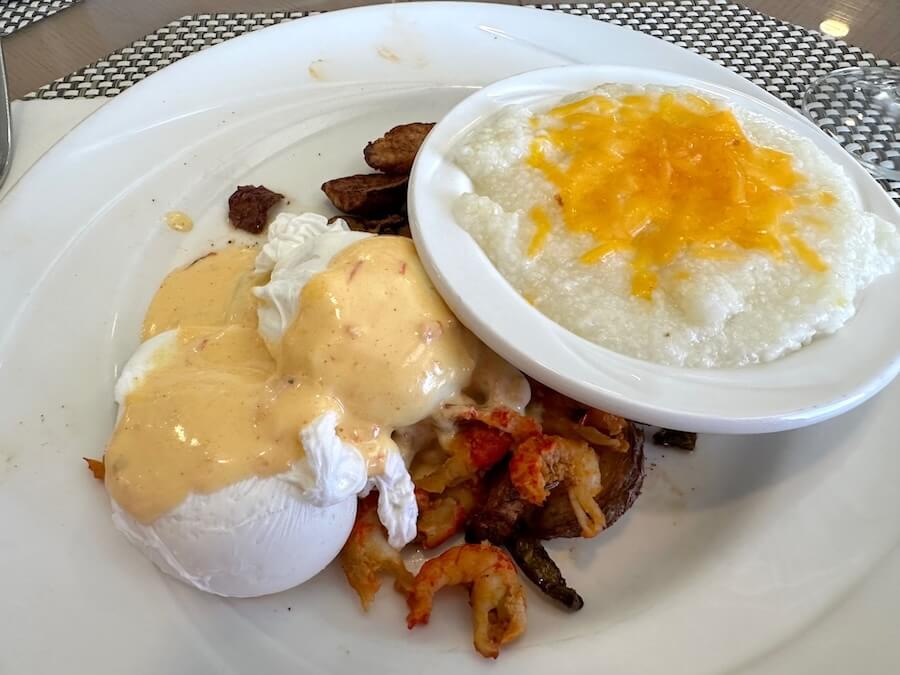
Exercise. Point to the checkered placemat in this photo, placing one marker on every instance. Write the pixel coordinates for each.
(778, 56)
(16, 14)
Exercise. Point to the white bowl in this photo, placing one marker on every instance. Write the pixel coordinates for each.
(826, 378)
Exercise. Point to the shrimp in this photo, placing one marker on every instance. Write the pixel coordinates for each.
(495, 593)
(542, 460)
(562, 416)
(471, 449)
(501, 418)
(97, 467)
(441, 516)
(367, 554)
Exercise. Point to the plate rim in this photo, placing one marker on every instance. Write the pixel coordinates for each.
(532, 653)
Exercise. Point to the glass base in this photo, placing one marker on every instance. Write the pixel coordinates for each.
(860, 108)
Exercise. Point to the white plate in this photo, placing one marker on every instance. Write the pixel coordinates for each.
(826, 378)
(730, 553)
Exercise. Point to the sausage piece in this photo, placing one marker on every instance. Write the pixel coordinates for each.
(248, 207)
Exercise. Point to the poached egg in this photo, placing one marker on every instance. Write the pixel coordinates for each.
(249, 486)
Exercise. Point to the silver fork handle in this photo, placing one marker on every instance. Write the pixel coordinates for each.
(5, 122)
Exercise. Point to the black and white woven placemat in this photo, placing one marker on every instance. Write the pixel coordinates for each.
(16, 14)
(776, 55)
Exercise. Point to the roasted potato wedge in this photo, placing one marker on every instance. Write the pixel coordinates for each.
(672, 438)
(497, 519)
(367, 195)
(394, 223)
(396, 150)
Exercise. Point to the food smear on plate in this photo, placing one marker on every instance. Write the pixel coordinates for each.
(665, 225)
(179, 221)
(315, 69)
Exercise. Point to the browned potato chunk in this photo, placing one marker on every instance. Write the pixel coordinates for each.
(394, 223)
(367, 194)
(395, 151)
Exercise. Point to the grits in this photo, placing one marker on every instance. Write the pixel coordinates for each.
(725, 303)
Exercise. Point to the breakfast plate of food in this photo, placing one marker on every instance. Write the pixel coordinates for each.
(271, 405)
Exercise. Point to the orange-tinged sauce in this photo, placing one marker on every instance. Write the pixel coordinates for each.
(179, 221)
(372, 342)
(660, 175)
(215, 290)
(191, 426)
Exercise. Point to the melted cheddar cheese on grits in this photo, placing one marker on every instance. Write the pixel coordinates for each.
(664, 225)
(372, 344)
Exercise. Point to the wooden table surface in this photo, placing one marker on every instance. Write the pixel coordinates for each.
(75, 37)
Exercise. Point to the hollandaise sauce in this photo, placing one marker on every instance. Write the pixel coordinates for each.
(372, 341)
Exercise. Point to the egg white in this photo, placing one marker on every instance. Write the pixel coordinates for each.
(251, 538)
